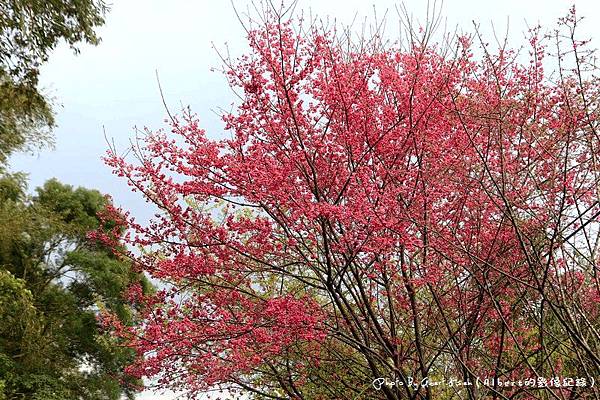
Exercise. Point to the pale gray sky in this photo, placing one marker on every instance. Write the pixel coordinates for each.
(113, 85)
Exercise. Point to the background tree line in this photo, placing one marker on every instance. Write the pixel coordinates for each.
(54, 279)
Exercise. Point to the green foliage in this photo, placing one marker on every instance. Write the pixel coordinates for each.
(29, 31)
(12, 187)
(54, 280)
(25, 117)
(32, 28)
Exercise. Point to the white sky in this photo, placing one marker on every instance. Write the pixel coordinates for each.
(114, 86)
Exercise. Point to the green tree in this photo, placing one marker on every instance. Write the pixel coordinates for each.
(54, 280)
(29, 31)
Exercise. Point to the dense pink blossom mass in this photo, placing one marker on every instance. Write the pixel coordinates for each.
(376, 211)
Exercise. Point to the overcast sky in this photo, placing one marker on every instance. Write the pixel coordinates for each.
(112, 87)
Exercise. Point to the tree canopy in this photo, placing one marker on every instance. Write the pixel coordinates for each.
(55, 284)
(29, 31)
(379, 216)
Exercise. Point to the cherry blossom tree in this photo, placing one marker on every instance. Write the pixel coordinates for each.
(378, 216)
